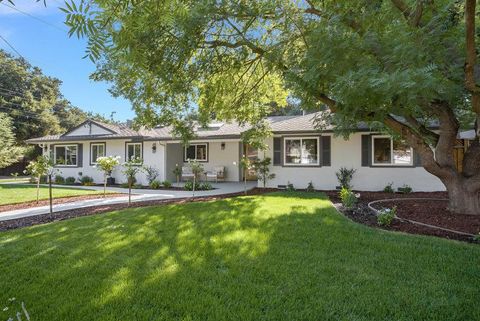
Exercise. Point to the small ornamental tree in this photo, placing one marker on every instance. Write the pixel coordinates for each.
(51, 172)
(246, 164)
(107, 164)
(130, 170)
(37, 169)
(197, 170)
(262, 168)
(177, 171)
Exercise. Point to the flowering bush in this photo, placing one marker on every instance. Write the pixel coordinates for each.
(386, 216)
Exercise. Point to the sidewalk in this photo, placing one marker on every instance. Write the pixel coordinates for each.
(138, 195)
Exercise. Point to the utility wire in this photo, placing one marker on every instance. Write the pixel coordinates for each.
(33, 17)
(10, 45)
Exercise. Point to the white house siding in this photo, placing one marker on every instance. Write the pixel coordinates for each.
(115, 148)
(347, 153)
(228, 157)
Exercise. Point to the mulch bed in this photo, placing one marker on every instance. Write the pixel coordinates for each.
(62, 200)
(64, 215)
(433, 212)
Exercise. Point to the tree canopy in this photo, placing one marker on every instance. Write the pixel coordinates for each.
(403, 64)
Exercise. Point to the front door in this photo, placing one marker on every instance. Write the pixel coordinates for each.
(252, 155)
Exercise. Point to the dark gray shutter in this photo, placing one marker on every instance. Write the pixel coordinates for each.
(366, 150)
(417, 161)
(277, 151)
(326, 146)
(80, 155)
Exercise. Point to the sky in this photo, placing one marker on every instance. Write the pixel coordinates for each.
(45, 44)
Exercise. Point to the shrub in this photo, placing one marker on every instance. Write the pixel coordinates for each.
(476, 238)
(155, 184)
(290, 187)
(344, 176)
(43, 180)
(167, 184)
(137, 186)
(386, 216)
(86, 181)
(405, 189)
(206, 186)
(124, 185)
(389, 188)
(70, 180)
(151, 173)
(59, 179)
(349, 199)
(189, 186)
(310, 187)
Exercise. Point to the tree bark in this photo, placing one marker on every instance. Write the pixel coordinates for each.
(38, 188)
(50, 193)
(104, 184)
(462, 199)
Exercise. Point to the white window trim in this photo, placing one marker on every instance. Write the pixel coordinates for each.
(135, 156)
(94, 162)
(300, 138)
(55, 154)
(195, 159)
(391, 153)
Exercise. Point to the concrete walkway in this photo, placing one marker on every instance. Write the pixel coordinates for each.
(138, 195)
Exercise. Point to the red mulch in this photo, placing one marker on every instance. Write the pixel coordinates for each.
(64, 215)
(433, 212)
(66, 199)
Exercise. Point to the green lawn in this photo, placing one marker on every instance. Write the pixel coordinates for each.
(19, 193)
(279, 256)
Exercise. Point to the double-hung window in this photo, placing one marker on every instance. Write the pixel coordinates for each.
(302, 151)
(96, 150)
(134, 151)
(196, 152)
(66, 155)
(387, 152)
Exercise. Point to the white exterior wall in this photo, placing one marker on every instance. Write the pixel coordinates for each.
(115, 148)
(349, 154)
(228, 157)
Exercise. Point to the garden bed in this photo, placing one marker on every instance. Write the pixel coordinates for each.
(429, 211)
(68, 214)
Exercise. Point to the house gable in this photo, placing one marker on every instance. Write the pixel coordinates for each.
(89, 128)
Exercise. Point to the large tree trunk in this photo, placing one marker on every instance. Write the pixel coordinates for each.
(462, 200)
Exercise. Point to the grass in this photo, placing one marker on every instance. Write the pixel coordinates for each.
(280, 256)
(19, 179)
(19, 193)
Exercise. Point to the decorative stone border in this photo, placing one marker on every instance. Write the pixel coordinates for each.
(412, 221)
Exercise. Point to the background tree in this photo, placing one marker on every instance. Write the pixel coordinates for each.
(400, 65)
(34, 102)
(9, 153)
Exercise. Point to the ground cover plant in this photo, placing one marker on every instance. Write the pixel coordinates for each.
(279, 256)
(19, 193)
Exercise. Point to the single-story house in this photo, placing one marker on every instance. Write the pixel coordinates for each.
(299, 153)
